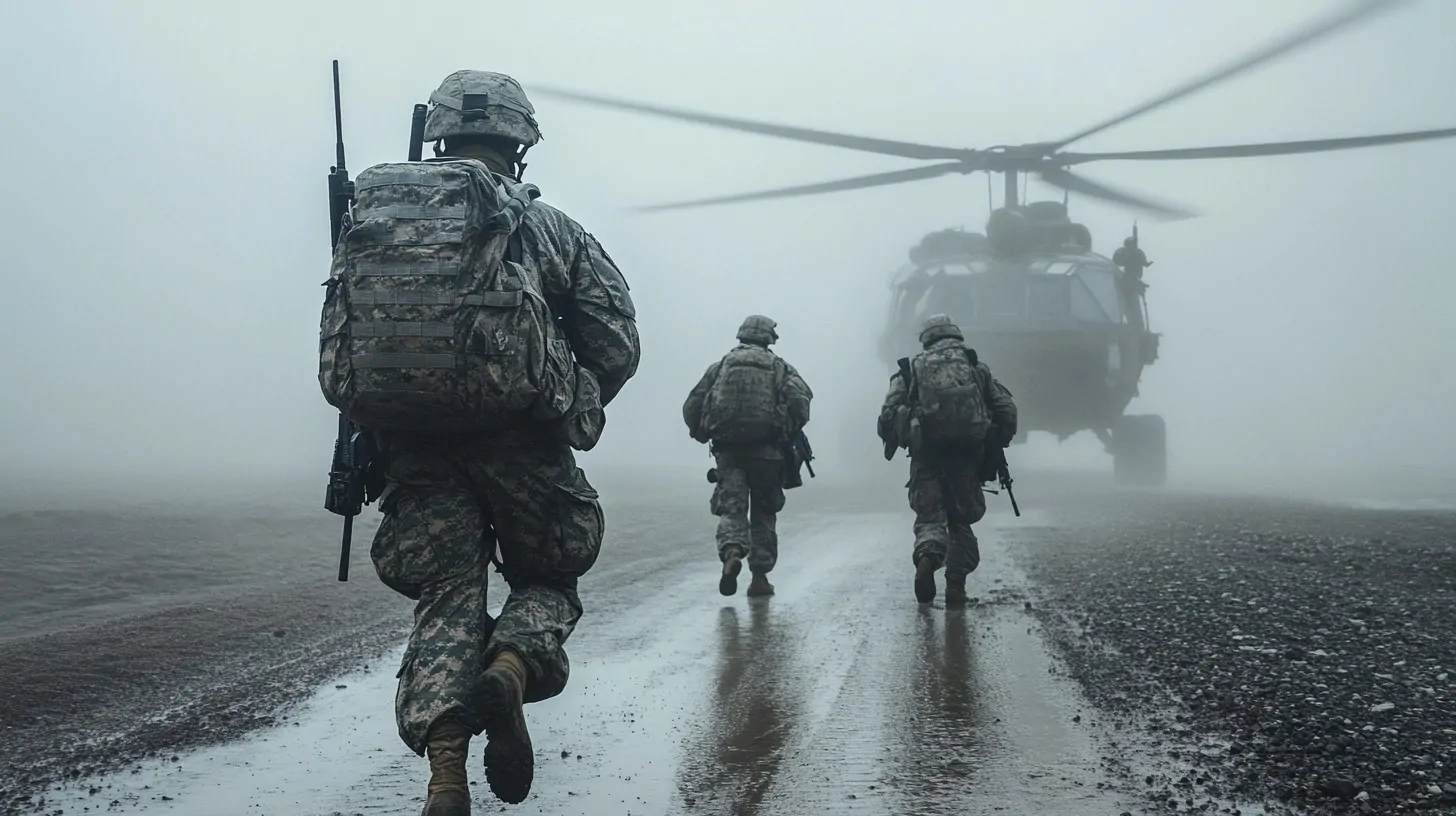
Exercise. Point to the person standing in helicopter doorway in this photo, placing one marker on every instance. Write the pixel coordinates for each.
(944, 407)
(1131, 258)
(747, 407)
(478, 380)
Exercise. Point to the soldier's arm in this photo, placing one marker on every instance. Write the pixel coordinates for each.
(603, 325)
(797, 395)
(895, 398)
(693, 406)
(1003, 408)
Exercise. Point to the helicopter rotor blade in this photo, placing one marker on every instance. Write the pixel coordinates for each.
(1059, 177)
(856, 183)
(1263, 149)
(1354, 13)
(888, 147)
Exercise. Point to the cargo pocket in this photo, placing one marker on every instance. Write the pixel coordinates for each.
(715, 500)
(558, 382)
(426, 536)
(587, 418)
(579, 525)
(407, 660)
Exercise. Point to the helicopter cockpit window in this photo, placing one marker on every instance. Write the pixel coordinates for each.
(1046, 297)
(1094, 295)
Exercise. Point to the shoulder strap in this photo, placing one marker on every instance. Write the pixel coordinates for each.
(515, 252)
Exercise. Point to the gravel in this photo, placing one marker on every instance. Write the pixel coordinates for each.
(1297, 654)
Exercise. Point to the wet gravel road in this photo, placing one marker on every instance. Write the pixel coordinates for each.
(841, 695)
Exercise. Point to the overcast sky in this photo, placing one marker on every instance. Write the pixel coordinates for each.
(165, 227)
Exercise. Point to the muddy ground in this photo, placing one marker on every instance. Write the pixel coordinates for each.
(135, 633)
(1294, 652)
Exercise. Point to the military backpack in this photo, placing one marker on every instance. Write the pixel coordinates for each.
(743, 404)
(427, 324)
(948, 398)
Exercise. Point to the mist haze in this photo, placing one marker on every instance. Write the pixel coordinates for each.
(167, 230)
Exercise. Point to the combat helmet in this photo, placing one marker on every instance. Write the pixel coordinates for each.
(758, 329)
(481, 103)
(939, 327)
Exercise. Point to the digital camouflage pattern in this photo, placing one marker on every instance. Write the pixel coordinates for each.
(945, 485)
(500, 108)
(750, 489)
(759, 329)
(447, 495)
(947, 399)
(747, 500)
(426, 325)
(449, 503)
(746, 401)
(791, 406)
(946, 496)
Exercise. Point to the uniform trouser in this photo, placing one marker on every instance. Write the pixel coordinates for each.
(945, 493)
(448, 506)
(747, 500)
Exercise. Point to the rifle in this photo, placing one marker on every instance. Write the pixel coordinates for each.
(993, 466)
(797, 453)
(351, 482)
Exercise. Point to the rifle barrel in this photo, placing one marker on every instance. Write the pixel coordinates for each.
(338, 119)
(344, 549)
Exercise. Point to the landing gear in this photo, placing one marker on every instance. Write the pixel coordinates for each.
(1140, 451)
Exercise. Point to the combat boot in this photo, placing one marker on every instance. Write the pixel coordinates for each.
(955, 592)
(449, 791)
(925, 579)
(728, 583)
(759, 587)
(509, 763)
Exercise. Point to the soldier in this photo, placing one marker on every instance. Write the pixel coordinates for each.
(748, 405)
(454, 504)
(1132, 259)
(945, 406)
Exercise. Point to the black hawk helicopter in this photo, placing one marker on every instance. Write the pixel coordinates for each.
(1065, 328)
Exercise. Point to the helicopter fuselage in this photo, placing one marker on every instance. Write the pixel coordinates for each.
(1065, 331)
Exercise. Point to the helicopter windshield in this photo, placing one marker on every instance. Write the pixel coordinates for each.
(1094, 295)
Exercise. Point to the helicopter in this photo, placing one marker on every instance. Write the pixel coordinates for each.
(1065, 328)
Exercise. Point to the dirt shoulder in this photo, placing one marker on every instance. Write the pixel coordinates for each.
(1299, 653)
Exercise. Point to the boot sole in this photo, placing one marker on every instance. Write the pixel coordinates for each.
(728, 584)
(924, 585)
(509, 762)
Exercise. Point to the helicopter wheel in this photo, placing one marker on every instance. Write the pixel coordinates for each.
(1140, 451)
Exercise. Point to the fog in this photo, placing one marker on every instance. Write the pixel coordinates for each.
(166, 226)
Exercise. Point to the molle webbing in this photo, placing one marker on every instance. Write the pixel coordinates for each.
(449, 269)
(400, 176)
(405, 360)
(416, 212)
(503, 300)
(401, 329)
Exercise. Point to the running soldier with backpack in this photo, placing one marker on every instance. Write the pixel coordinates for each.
(747, 406)
(945, 407)
(478, 334)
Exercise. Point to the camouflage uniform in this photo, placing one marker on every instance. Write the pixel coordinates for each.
(455, 504)
(750, 489)
(945, 483)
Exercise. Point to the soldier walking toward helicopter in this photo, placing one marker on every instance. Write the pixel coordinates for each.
(945, 406)
(747, 405)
